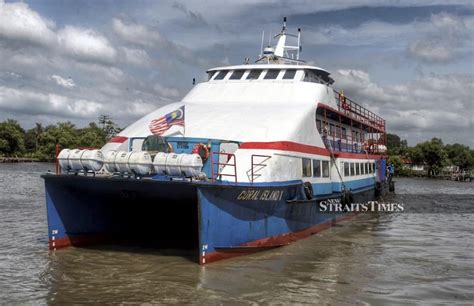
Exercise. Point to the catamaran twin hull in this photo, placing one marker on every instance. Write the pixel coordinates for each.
(218, 220)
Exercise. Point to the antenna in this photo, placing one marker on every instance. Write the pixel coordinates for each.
(261, 48)
(284, 24)
(299, 44)
(269, 39)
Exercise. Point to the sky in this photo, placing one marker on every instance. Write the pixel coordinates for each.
(410, 61)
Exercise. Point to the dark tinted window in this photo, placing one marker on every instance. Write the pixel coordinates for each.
(289, 74)
(346, 169)
(325, 168)
(306, 163)
(352, 169)
(316, 168)
(221, 75)
(272, 74)
(254, 74)
(237, 75)
(357, 168)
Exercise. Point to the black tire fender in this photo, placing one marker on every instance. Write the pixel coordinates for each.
(308, 190)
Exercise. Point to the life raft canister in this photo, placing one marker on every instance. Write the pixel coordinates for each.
(202, 150)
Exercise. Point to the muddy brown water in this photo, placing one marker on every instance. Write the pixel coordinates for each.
(376, 259)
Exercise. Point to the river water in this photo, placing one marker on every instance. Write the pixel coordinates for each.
(387, 258)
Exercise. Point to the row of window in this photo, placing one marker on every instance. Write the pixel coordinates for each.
(271, 74)
(320, 168)
(353, 169)
(339, 131)
(315, 167)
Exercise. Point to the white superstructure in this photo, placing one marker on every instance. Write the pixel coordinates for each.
(274, 100)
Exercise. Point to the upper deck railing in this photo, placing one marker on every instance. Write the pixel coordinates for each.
(358, 112)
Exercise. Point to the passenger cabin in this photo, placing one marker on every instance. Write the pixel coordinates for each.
(350, 127)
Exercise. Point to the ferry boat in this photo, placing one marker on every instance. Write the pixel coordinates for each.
(241, 164)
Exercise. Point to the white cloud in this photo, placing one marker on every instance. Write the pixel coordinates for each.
(137, 57)
(166, 92)
(438, 105)
(136, 33)
(66, 83)
(36, 103)
(444, 42)
(86, 44)
(19, 23)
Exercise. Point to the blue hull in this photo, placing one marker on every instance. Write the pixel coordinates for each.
(217, 220)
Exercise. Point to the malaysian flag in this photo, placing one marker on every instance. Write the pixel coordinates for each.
(160, 125)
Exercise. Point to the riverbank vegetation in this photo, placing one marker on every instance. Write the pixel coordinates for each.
(428, 158)
(39, 142)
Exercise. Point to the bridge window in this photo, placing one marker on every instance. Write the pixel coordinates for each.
(325, 168)
(221, 75)
(310, 76)
(237, 75)
(306, 163)
(210, 74)
(254, 74)
(353, 169)
(272, 74)
(316, 168)
(357, 168)
(289, 74)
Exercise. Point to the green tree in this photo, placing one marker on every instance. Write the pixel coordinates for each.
(103, 120)
(108, 126)
(12, 141)
(64, 134)
(395, 145)
(460, 155)
(91, 136)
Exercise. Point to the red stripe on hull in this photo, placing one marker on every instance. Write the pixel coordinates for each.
(302, 148)
(83, 240)
(118, 139)
(270, 242)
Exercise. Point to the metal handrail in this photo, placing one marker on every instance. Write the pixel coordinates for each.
(229, 157)
(261, 164)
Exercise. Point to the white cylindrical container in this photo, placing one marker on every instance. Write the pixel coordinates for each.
(121, 161)
(63, 159)
(75, 163)
(191, 165)
(92, 160)
(140, 163)
(110, 161)
(172, 164)
(159, 163)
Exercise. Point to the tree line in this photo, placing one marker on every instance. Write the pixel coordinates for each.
(432, 154)
(40, 141)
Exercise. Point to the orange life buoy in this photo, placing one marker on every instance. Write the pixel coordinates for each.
(201, 150)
